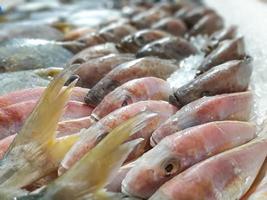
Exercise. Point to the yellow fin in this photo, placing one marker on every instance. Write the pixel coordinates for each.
(97, 166)
(28, 157)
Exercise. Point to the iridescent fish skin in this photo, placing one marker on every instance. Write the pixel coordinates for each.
(148, 88)
(94, 52)
(226, 51)
(235, 75)
(207, 25)
(111, 33)
(228, 175)
(132, 43)
(235, 106)
(92, 71)
(143, 67)
(147, 18)
(92, 136)
(182, 150)
(168, 48)
(194, 15)
(227, 33)
(171, 25)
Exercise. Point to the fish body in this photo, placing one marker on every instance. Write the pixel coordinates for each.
(235, 106)
(227, 33)
(207, 25)
(94, 52)
(171, 25)
(25, 54)
(228, 175)
(168, 48)
(226, 51)
(235, 75)
(148, 88)
(92, 71)
(132, 43)
(92, 136)
(143, 67)
(182, 150)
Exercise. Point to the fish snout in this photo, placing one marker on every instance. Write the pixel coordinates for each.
(140, 185)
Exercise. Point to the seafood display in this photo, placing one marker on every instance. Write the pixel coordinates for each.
(128, 100)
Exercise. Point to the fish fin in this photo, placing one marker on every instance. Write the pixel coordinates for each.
(96, 167)
(33, 145)
(62, 146)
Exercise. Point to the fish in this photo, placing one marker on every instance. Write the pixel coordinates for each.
(142, 67)
(182, 150)
(97, 167)
(233, 106)
(168, 48)
(214, 40)
(207, 25)
(171, 25)
(231, 76)
(115, 184)
(14, 116)
(227, 50)
(258, 190)
(111, 33)
(147, 18)
(180, 14)
(132, 43)
(19, 96)
(34, 152)
(193, 16)
(228, 175)
(92, 71)
(96, 132)
(25, 54)
(141, 89)
(30, 31)
(77, 33)
(94, 52)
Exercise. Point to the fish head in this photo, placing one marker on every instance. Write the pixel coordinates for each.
(153, 169)
(114, 100)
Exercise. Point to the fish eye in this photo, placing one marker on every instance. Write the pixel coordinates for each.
(171, 167)
(126, 101)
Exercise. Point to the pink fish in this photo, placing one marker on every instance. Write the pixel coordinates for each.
(92, 136)
(13, 117)
(235, 106)
(78, 94)
(182, 150)
(228, 175)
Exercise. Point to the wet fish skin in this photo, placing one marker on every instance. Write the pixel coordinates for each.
(94, 52)
(228, 175)
(182, 150)
(171, 25)
(194, 15)
(148, 88)
(147, 18)
(92, 71)
(77, 33)
(30, 31)
(235, 75)
(132, 43)
(234, 106)
(226, 51)
(227, 33)
(143, 67)
(207, 25)
(25, 54)
(92, 136)
(109, 155)
(168, 48)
